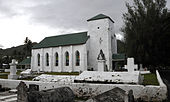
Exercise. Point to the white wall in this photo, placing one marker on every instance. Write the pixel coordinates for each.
(114, 40)
(61, 53)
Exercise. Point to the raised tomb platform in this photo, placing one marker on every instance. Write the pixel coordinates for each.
(108, 77)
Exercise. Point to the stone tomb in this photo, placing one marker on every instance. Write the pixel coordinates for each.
(130, 77)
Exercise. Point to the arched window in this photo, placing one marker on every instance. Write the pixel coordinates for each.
(38, 59)
(47, 59)
(67, 58)
(56, 59)
(77, 58)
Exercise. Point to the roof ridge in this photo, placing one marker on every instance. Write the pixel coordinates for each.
(66, 34)
(100, 16)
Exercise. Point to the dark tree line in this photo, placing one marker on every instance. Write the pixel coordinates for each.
(147, 32)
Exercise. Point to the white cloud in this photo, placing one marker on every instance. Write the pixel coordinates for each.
(37, 19)
(119, 36)
(15, 30)
(1, 46)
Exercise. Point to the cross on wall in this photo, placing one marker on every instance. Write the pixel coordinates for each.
(100, 41)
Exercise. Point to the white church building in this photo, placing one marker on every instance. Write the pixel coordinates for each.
(77, 51)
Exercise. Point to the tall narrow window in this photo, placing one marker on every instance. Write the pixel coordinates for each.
(38, 59)
(77, 58)
(47, 59)
(56, 59)
(67, 58)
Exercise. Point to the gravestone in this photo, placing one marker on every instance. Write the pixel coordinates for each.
(113, 95)
(141, 67)
(136, 67)
(22, 94)
(131, 96)
(130, 65)
(32, 94)
(62, 94)
(101, 62)
(13, 70)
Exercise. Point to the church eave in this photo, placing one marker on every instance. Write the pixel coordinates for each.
(59, 46)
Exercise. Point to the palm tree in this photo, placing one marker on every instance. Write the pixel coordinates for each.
(28, 47)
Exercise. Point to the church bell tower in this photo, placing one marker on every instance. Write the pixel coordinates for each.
(102, 37)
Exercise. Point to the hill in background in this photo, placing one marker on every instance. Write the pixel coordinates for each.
(18, 52)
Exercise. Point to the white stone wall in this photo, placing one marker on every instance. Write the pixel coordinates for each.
(61, 55)
(102, 29)
(117, 77)
(113, 36)
(147, 93)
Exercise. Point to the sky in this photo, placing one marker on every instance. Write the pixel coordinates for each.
(37, 19)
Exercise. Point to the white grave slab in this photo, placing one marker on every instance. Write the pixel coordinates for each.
(55, 78)
(28, 71)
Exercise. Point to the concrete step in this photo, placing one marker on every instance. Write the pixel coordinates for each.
(9, 98)
(14, 91)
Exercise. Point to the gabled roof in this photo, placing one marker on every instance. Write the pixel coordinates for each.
(63, 40)
(26, 61)
(100, 16)
(118, 57)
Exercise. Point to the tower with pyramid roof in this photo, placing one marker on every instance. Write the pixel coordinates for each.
(102, 37)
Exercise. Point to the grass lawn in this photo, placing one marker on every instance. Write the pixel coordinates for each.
(62, 73)
(4, 75)
(150, 79)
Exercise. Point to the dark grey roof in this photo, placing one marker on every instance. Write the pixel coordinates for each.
(100, 16)
(63, 40)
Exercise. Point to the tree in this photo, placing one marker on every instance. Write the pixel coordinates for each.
(144, 31)
(120, 46)
(28, 46)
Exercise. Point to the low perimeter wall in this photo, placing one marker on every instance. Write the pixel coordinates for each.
(147, 93)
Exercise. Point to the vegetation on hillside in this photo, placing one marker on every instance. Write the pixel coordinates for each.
(19, 53)
(147, 32)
